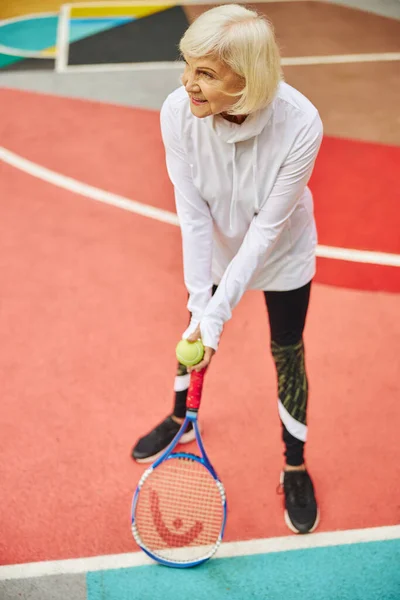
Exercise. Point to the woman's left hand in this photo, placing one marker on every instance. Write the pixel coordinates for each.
(208, 352)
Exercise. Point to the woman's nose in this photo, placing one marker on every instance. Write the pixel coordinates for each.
(191, 85)
(188, 81)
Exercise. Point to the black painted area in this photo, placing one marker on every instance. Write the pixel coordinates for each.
(31, 64)
(153, 38)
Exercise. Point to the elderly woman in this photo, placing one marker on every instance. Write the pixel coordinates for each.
(240, 149)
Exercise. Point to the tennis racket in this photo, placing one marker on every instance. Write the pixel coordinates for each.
(179, 506)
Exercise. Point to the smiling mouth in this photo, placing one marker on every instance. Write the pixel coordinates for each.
(197, 101)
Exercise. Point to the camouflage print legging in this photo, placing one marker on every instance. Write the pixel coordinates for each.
(287, 313)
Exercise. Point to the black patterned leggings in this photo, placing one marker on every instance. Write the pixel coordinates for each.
(287, 313)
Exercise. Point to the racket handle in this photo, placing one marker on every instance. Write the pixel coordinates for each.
(195, 389)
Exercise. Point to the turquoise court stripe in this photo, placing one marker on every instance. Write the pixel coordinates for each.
(367, 571)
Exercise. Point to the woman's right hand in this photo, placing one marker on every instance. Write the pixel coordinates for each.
(208, 352)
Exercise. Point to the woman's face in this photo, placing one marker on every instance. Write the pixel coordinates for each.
(207, 81)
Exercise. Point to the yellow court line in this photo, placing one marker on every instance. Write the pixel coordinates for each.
(17, 8)
(49, 52)
(179, 3)
(116, 11)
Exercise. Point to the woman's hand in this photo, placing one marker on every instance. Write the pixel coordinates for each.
(208, 352)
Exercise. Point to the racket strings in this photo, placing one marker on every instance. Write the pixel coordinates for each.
(180, 505)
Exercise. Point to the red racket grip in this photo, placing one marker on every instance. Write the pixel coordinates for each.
(195, 389)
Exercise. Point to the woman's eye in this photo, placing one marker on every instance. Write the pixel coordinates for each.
(207, 74)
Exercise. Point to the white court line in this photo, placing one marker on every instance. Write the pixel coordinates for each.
(341, 59)
(228, 549)
(165, 216)
(293, 61)
(359, 256)
(86, 190)
(62, 43)
(26, 53)
(177, 65)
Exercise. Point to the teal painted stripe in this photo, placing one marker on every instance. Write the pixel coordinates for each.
(82, 28)
(31, 34)
(367, 571)
(41, 33)
(6, 60)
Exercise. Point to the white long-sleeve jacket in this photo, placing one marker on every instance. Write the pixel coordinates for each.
(244, 208)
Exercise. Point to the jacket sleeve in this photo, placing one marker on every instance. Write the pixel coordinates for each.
(264, 231)
(194, 219)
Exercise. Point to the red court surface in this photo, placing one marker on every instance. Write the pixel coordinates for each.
(92, 306)
(119, 149)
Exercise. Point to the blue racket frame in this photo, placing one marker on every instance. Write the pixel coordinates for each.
(191, 417)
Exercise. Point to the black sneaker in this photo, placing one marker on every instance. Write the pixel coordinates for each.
(301, 510)
(149, 447)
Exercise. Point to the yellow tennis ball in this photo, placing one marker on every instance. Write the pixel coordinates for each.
(189, 353)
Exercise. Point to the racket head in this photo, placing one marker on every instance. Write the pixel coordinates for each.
(179, 510)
